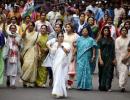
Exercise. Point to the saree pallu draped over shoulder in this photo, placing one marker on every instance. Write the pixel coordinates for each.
(42, 72)
(107, 49)
(84, 65)
(59, 70)
(30, 59)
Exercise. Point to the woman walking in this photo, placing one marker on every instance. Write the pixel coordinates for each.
(13, 45)
(121, 45)
(47, 62)
(70, 37)
(85, 51)
(30, 56)
(43, 51)
(106, 59)
(60, 49)
(2, 43)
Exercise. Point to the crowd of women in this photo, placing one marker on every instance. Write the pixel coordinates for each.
(65, 44)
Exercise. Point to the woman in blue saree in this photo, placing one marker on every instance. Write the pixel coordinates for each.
(85, 50)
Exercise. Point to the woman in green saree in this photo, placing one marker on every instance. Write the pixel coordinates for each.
(43, 51)
(94, 27)
(2, 42)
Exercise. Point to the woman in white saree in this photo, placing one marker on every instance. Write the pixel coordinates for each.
(60, 50)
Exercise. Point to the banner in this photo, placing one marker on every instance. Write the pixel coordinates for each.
(28, 8)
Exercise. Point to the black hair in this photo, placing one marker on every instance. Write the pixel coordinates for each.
(14, 17)
(27, 16)
(45, 26)
(90, 11)
(59, 25)
(82, 13)
(124, 28)
(59, 34)
(102, 31)
(126, 22)
(12, 25)
(43, 13)
(59, 20)
(33, 23)
(90, 17)
(87, 27)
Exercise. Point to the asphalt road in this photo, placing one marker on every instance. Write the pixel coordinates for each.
(45, 93)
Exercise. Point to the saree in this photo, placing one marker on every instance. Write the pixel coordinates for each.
(1, 67)
(59, 70)
(107, 47)
(42, 72)
(30, 59)
(95, 31)
(2, 42)
(83, 62)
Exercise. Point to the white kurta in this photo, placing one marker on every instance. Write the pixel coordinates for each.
(121, 45)
(59, 66)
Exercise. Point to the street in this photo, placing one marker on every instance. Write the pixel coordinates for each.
(45, 93)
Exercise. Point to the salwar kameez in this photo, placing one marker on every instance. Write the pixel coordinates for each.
(13, 45)
(121, 45)
(70, 38)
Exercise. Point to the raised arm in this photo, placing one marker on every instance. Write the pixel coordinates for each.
(50, 42)
(4, 29)
(24, 33)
